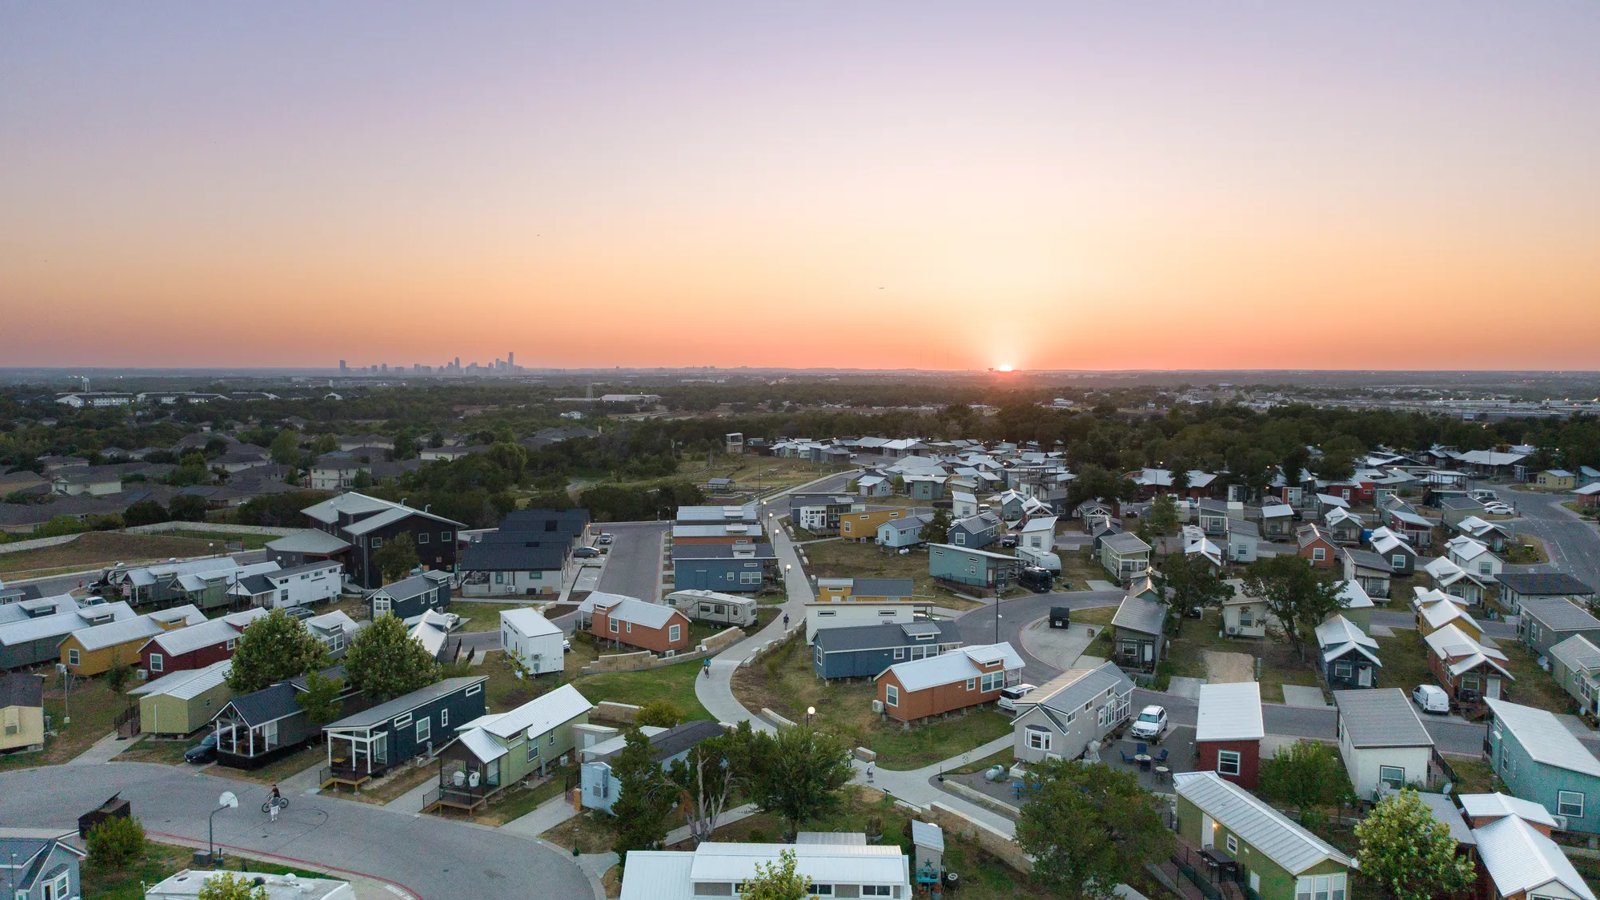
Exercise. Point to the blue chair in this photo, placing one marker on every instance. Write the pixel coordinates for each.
(1141, 748)
(1162, 756)
(1125, 757)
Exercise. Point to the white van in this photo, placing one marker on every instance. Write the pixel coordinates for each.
(1431, 698)
(1009, 696)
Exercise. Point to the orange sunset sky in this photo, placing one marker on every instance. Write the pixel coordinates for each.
(896, 184)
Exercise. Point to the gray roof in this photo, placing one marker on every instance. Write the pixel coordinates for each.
(1381, 717)
(883, 587)
(1244, 529)
(909, 523)
(1577, 653)
(309, 541)
(1544, 738)
(1366, 559)
(758, 550)
(1141, 615)
(19, 689)
(1559, 614)
(278, 701)
(1444, 810)
(1257, 824)
(1551, 583)
(406, 588)
(509, 556)
(888, 635)
(680, 738)
(381, 713)
(1124, 542)
(1082, 688)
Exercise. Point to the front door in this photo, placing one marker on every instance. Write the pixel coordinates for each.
(1493, 690)
(1255, 882)
(1208, 832)
(1364, 676)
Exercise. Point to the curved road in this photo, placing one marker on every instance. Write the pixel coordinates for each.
(432, 857)
(1572, 542)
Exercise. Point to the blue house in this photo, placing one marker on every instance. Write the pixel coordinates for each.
(41, 868)
(409, 598)
(730, 568)
(369, 743)
(976, 531)
(907, 532)
(667, 745)
(971, 567)
(1542, 762)
(864, 651)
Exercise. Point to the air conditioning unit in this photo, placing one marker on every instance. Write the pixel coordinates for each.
(877, 706)
(141, 674)
(1561, 822)
(1232, 631)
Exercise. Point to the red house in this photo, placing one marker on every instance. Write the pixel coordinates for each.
(1228, 730)
(1316, 547)
(635, 623)
(196, 646)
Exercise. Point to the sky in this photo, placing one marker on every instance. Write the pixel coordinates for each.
(1217, 185)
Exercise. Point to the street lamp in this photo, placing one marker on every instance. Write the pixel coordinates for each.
(810, 711)
(227, 801)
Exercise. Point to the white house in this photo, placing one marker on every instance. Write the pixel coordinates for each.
(1243, 615)
(1384, 745)
(1474, 556)
(1038, 533)
(820, 616)
(532, 640)
(845, 864)
(288, 588)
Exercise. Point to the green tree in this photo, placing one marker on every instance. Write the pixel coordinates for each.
(644, 798)
(1306, 776)
(397, 557)
(117, 676)
(1295, 463)
(1161, 520)
(1089, 828)
(659, 713)
(229, 886)
(383, 661)
(937, 531)
(712, 772)
(362, 480)
(799, 773)
(188, 508)
(1405, 849)
(1294, 592)
(320, 699)
(59, 526)
(274, 648)
(145, 512)
(1188, 580)
(116, 842)
(285, 448)
(777, 881)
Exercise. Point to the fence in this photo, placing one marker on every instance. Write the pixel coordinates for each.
(218, 527)
(37, 543)
(992, 841)
(126, 724)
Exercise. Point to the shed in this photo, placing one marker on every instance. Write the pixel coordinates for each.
(1228, 731)
(183, 702)
(927, 841)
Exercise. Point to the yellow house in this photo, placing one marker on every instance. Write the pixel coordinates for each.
(863, 526)
(21, 712)
(864, 590)
(1556, 479)
(93, 650)
(1435, 610)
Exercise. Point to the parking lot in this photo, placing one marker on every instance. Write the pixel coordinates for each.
(633, 565)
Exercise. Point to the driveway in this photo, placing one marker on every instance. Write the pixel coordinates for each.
(430, 856)
(978, 626)
(633, 566)
(1573, 544)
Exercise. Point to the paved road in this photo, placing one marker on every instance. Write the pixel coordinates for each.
(1017, 613)
(61, 584)
(633, 565)
(1573, 544)
(433, 857)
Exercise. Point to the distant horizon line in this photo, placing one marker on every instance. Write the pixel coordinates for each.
(525, 371)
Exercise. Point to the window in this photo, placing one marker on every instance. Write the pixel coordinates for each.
(674, 632)
(1342, 669)
(1569, 804)
(232, 643)
(1392, 776)
(444, 718)
(1398, 561)
(993, 681)
(891, 695)
(972, 684)
(630, 628)
(1038, 738)
(376, 543)
(533, 752)
(381, 605)
(899, 653)
(499, 578)
(1320, 887)
(877, 890)
(402, 721)
(422, 537)
(424, 730)
(72, 657)
(1228, 762)
(614, 625)
(1318, 554)
(444, 535)
(1233, 845)
(156, 662)
(827, 612)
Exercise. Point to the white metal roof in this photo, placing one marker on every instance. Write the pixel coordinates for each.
(957, 665)
(527, 620)
(481, 744)
(639, 612)
(62, 623)
(538, 715)
(658, 875)
(1444, 810)
(1520, 860)
(832, 863)
(147, 575)
(1229, 712)
(1380, 717)
(98, 637)
(927, 834)
(1338, 636)
(1353, 596)
(1259, 825)
(207, 633)
(1481, 805)
(1544, 738)
(188, 684)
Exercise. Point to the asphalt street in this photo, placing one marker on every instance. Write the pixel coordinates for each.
(633, 564)
(1017, 613)
(433, 857)
(1573, 544)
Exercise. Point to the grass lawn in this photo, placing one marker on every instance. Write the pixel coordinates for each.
(587, 832)
(93, 707)
(277, 770)
(1527, 550)
(674, 683)
(1405, 660)
(516, 802)
(1473, 776)
(152, 749)
(477, 616)
(784, 682)
(393, 785)
(243, 539)
(100, 549)
(1078, 567)
(1004, 758)
(1280, 665)
(159, 862)
(1100, 615)
(847, 559)
(1533, 686)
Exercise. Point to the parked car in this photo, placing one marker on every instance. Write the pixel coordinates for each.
(1009, 696)
(1483, 495)
(1151, 724)
(586, 553)
(604, 539)
(203, 752)
(1431, 698)
(300, 612)
(1009, 540)
(1035, 579)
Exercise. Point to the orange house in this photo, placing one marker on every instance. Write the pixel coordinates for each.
(1316, 547)
(955, 680)
(635, 623)
(863, 526)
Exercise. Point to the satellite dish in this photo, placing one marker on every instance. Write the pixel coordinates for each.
(228, 800)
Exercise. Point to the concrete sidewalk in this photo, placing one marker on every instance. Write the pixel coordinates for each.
(101, 751)
(546, 816)
(728, 817)
(920, 787)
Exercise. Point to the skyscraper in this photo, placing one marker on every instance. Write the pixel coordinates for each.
(511, 359)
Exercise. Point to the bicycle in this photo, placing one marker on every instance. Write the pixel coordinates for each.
(282, 804)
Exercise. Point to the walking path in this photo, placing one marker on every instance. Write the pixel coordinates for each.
(100, 751)
(544, 817)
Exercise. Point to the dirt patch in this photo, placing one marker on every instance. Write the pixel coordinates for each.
(97, 549)
(1228, 668)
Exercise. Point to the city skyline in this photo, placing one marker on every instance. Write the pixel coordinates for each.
(934, 186)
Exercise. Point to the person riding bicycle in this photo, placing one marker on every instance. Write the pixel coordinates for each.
(273, 802)
(276, 795)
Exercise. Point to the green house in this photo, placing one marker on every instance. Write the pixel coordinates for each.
(1276, 858)
(497, 750)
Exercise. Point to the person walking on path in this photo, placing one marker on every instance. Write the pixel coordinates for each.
(871, 765)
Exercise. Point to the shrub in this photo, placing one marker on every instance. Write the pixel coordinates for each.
(116, 842)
